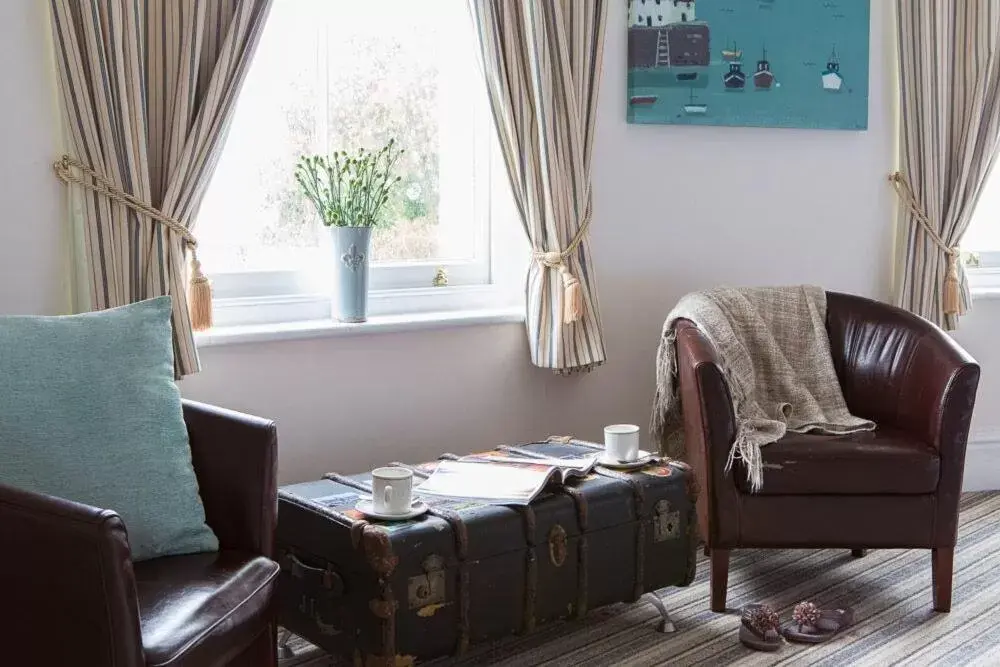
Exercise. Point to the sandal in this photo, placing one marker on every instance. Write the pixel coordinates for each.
(760, 628)
(812, 625)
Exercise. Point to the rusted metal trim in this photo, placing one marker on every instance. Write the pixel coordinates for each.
(639, 496)
(530, 568)
(373, 540)
(378, 550)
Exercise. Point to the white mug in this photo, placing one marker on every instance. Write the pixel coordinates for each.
(621, 442)
(392, 490)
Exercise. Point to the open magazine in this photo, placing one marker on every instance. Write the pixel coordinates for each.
(503, 479)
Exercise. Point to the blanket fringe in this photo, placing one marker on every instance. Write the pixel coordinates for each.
(748, 451)
(666, 378)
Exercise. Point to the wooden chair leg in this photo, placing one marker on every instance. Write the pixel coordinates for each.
(942, 561)
(858, 553)
(720, 578)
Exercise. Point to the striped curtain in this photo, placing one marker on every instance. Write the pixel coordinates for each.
(950, 103)
(149, 89)
(542, 62)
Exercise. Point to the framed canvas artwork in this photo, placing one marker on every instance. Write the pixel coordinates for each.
(762, 63)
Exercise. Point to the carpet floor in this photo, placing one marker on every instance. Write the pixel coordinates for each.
(888, 589)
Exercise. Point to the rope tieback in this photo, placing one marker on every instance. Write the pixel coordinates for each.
(572, 289)
(951, 297)
(70, 170)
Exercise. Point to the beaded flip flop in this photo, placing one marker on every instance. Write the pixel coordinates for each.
(812, 625)
(760, 628)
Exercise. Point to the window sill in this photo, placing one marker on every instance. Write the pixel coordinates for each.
(261, 333)
(985, 293)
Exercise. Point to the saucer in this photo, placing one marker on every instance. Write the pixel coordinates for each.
(367, 507)
(645, 458)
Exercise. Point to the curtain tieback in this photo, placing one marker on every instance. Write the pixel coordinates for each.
(69, 171)
(951, 298)
(572, 290)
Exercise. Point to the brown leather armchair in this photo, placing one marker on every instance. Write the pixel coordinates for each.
(896, 487)
(71, 595)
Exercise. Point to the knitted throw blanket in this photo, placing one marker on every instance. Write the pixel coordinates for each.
(775, 354)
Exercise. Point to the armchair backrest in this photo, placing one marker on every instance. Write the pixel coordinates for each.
(891, 363)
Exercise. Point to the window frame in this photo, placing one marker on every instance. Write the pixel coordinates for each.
(982, 270)
(484, 281)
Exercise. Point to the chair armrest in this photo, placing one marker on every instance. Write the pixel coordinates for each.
(235, 458)
(709, 432)
(69, 593)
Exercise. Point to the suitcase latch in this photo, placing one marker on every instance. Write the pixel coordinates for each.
(666, 523)
(428, 588)
(557, 545)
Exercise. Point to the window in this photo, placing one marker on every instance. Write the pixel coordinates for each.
(329, 76)
(981, 244)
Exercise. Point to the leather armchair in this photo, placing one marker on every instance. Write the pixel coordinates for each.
(896, 487)
(72, 596)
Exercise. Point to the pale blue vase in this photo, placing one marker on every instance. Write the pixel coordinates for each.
(351, 249)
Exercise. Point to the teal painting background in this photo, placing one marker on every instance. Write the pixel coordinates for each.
(799, 36)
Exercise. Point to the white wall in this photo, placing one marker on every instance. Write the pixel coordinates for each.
(33, 257)
(739, 206)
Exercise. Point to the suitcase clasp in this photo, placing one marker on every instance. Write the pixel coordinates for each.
(666, 524)
(328, 577)
(428, 588)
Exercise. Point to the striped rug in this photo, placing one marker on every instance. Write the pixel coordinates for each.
(889, 590)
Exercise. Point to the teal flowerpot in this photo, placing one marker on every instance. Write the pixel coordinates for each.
(351, 249)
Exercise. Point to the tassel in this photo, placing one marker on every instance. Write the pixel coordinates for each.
(199, 296)
(572, 296)
(951, 294)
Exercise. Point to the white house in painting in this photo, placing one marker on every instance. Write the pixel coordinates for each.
(658, 13)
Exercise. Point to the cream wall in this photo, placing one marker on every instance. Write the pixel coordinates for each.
(739, 206)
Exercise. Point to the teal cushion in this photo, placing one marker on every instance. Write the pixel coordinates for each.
(89, 411)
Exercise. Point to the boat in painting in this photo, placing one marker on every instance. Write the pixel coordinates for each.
(763, 78)
(832, 79)
(735, 78)
(693, 108)
(642, 100)
(732, 55)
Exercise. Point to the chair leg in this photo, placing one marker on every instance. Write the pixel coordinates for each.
(720, 578)
(942, 561)
(858, 553)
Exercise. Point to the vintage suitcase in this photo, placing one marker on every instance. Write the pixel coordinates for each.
(466, 572)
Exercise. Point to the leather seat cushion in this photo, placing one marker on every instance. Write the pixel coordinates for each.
(884, 461)
(197, 609)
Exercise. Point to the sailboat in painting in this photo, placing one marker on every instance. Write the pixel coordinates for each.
(763, 77)
(832, 80)
(729, 55)
(693, 108)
